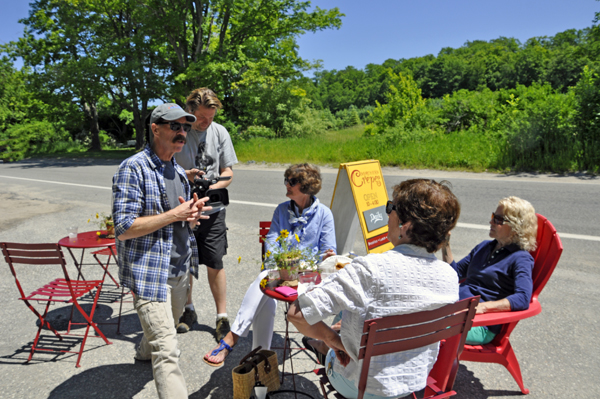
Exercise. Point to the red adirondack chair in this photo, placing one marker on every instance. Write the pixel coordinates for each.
(546, 256)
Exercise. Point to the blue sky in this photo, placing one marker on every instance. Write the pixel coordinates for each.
(376, 30)
(373, 31)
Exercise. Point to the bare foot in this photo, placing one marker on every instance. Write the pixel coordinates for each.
(219, 357)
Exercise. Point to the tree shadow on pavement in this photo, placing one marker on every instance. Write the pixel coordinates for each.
(110, 381)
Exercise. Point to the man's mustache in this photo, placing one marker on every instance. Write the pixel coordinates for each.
(180, 137)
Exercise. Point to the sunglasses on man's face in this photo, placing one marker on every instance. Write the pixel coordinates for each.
(176, 126)
(389, 207)
(498, 219)
(292, 182)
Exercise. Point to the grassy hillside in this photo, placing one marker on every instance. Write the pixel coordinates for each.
(461, 151)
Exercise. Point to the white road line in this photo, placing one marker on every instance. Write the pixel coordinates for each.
(462, 225)
(579, 237)
(253, 203)
(473, 226)
(57, 182)
(562, 235)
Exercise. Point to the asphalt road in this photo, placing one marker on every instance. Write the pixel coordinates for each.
(558, 351)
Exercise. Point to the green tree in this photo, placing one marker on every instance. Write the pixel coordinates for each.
(13, 94)
(404, 101)
(63, 55)
(89, 50)
(135, 53)
(233, 45)
(587, 94)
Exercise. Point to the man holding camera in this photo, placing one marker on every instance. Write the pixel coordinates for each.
(209, 154)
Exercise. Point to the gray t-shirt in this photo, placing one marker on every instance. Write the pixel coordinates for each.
(181, 252)
(210, 151)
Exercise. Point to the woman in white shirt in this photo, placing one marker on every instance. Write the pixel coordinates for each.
(407, 279)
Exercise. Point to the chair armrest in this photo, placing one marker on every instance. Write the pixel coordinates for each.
(491, 319)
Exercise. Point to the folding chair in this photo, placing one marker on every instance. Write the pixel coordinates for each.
(60, 290)
(398, 333)
(546, 256)
(111, 255)
(263, 230)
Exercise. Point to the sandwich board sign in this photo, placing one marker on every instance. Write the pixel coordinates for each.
(359, 199)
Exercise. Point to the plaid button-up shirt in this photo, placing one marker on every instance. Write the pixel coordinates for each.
(139, 190)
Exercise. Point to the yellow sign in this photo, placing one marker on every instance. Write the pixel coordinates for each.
(362, 181)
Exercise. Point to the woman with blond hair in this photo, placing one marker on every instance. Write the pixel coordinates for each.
(499, 270)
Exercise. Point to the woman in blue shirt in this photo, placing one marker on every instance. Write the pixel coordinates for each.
(499, 270)
(304, 216)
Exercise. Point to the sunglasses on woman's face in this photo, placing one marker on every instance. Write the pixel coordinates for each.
(176, 126)
(498, 219)
(389, 207)
(292, 182)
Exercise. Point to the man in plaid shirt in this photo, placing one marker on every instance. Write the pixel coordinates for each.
(153, 216)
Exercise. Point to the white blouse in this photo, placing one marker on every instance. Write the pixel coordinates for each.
(403, 280)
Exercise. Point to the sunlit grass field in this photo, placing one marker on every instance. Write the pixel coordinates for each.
(459, 151)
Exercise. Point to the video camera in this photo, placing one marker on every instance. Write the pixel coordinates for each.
(217, 198)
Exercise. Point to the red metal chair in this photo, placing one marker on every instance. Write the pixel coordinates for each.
(263, 230)
(546, 256)
(60, 290)
(393, 334)
(111, 255)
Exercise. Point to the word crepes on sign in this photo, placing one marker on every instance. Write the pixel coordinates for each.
(360, 190)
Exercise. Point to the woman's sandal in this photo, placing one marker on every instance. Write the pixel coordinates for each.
(320, 357)
(215, 352)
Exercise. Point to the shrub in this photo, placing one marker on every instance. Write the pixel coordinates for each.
(463, 109)
(258, 131)
(30, 138)
(404, 101)
(303, 122)
(347, 117)
(587, 119)
(539, 130)
(106, 140)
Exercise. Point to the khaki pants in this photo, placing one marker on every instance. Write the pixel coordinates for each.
(159, 342)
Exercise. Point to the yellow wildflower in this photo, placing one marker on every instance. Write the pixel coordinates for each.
(267, 254)
(97, 215)
(284, 234)
(263, 283)
(297, 238)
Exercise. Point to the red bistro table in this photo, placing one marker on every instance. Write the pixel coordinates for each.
(87, 240)
(269, 290)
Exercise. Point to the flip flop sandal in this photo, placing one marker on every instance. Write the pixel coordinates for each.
(320, 357)
(215, 352)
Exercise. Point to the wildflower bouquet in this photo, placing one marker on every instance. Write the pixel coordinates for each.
(104, 222)
(287, 254)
